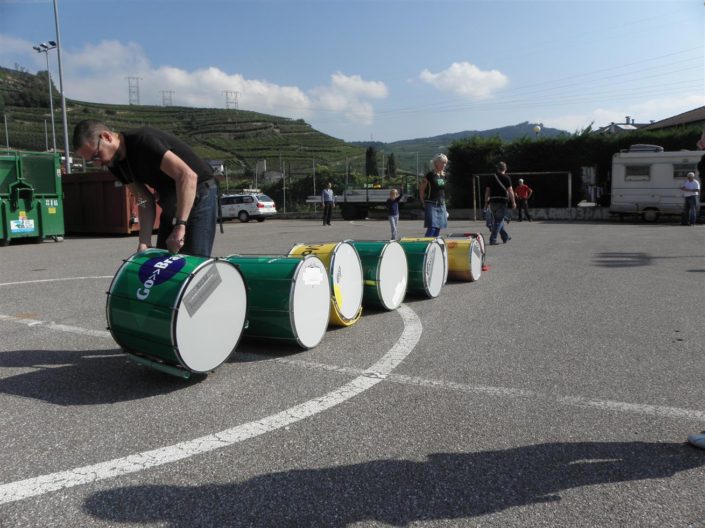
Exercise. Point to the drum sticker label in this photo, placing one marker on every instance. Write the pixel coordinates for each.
(156, 271)
(206, 285)
(312, 276)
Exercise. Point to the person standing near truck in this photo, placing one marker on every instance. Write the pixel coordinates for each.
(691, 192)
(328, 201)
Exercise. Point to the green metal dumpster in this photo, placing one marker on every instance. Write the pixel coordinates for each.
(31, 198)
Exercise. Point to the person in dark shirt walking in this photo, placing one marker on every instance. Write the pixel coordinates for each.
(498, 196)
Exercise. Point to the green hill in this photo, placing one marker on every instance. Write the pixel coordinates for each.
(238, 138)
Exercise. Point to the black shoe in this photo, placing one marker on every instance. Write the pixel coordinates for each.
(506, 240)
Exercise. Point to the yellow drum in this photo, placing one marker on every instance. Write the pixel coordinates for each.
(480, 240)
(464, 259)
(345, 273)
(443, 248)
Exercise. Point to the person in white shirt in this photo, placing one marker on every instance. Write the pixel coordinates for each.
(691, 192)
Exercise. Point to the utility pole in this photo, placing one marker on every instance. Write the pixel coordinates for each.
(64, 119)
(7, 136)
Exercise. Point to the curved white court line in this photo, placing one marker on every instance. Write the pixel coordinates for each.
(32, 487)
(55, 280)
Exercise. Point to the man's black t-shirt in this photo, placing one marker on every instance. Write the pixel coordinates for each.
(145, 149)
(497, 192)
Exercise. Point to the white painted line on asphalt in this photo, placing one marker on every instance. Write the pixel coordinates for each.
(55, 280)
(574, 401)
(508, 392)
(32, 487)
(54, 326)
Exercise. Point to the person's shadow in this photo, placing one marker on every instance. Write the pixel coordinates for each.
(446, 486)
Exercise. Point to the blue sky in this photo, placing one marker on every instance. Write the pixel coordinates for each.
(382, 69)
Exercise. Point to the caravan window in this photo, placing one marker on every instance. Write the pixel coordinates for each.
(681, 169)
(637, 172)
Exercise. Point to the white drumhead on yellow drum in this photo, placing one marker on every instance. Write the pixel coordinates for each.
(213, 303)
(346, 274)
(475, 260)
(393, 275)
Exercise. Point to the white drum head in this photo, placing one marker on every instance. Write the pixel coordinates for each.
(434, 269)
(393, 275)
(475, 260)
(211, 316)
(346, 272)
(310, 302)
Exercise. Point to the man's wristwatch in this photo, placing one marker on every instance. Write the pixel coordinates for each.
(176, 222)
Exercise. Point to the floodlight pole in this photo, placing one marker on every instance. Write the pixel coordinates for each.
(44, 48)
(61, 89)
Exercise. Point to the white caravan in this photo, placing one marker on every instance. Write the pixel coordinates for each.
(646, 180)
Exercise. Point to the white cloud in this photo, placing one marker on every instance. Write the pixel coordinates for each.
(98, 73)
(467, 80)
(348, 95)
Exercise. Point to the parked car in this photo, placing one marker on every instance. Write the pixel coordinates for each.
(246, 206)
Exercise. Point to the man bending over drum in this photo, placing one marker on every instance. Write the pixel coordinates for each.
(183, 183)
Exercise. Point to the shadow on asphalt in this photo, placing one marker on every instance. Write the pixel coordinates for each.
(631, 259)
(87, 377)
(445, 486)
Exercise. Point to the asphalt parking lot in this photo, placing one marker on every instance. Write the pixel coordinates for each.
(558, 390)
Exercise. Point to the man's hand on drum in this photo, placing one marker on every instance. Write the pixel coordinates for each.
(175, 241)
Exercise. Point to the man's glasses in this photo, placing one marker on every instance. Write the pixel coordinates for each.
(96, 154)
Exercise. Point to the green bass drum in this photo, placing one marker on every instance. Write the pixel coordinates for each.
(288, 298)
(426, 267)
(177, 313)
(385, 273)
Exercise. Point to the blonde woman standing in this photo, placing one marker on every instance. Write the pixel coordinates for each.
(433, 197)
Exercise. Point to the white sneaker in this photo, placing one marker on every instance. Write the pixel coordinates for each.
(698, 440)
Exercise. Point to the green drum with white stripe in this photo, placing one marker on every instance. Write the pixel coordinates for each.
(288, 298)
(384, 273)
(177, 313)
(426, 267)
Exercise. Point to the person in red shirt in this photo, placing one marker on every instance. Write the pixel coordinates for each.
(523, 193)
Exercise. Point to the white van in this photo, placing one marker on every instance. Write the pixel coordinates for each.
(246, 206)
(646, 180)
